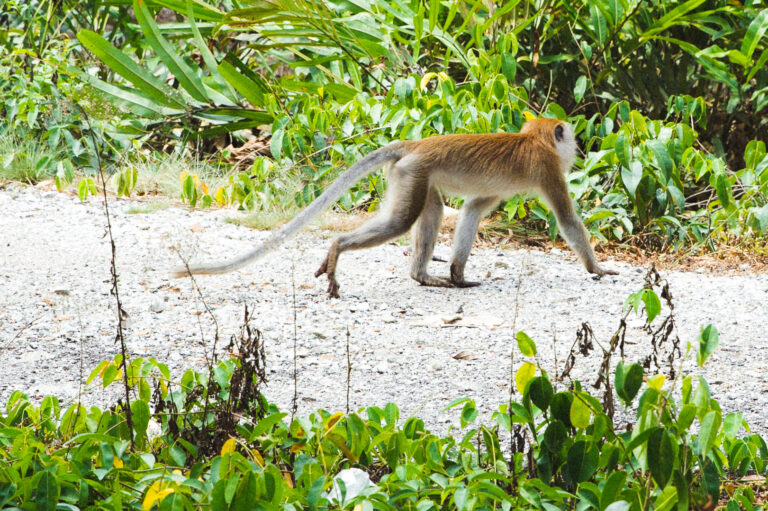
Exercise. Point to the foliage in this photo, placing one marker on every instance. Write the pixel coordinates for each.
(211, 439)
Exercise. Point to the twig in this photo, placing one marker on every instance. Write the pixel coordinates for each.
(349, 370)
(295, 400)
(120, 337)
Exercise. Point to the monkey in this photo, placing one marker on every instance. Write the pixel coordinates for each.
(483, 168)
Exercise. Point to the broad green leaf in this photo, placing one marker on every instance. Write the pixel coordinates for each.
(276, 143)
(652, 304)
(122, 64)
(540, 392)
(681, 487)
(524, 375)
(468, 413)
(561, 407)
(581, 462)
(174, 502)
(47, 491)
(555, 436)
(140, 414)
(526, 344)
(708, 341)
(614, 483)
(660, 151)
(732, 425)
(509, 67)
(580, 413)
(710, 425)
(666, 500)
(631, 176)
(755, 32)
(624, 154)
(761, 216)
(627, 381)
(723, 189)
(187, 78)
(661, 456)
(580, 88)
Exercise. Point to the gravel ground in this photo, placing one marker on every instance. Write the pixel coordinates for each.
(57, 316)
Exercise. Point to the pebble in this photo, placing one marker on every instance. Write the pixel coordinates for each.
(56, 310)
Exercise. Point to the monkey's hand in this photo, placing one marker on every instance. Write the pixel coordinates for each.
(600, 272)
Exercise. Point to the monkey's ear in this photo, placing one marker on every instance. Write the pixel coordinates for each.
(559, 133)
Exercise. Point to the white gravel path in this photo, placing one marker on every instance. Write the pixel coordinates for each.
(54, 274)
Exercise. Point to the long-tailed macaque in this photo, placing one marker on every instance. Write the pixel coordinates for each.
(482, 168)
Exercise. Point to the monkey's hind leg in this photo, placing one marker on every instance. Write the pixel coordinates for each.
(423, 237)
(400, 211)
(469, 219)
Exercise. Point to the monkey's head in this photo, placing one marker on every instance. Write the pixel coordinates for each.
(559, 133)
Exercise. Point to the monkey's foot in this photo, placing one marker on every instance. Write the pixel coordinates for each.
(429, 280)
(457, 277)
(466, 283)
(333, 286)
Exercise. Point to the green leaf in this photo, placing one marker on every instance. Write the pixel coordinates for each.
(560, 407)
(710, 425)
(666, 500)
(681, 486)
(723, 189)
(580, 413)
(661, 456)
(708, 341)
(624, 153)
(540, 391)
(627, 381)
(526, 344)
(660, 151)
(755, 32)
(276, 143)
(47, 491)
(174, 502)
(140, 414)
(136, 101)
(581, 462)
(509, 67)
(201, 9)
(246, 82)
(631, 176)
(652, 304)
(120, 63)
(580, 88)
(468, 413)
(555, 436)
(614, 484)
(187, 78)
(761, 216)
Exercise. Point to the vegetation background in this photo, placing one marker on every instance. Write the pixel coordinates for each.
(259, 104)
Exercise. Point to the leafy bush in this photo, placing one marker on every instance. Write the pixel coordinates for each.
(211, 439)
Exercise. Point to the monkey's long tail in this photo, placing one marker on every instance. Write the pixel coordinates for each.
(360, 169)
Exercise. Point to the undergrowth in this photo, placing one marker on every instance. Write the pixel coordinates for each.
(644, 436)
